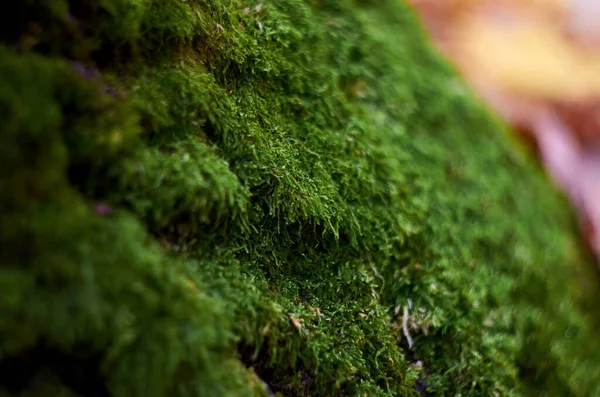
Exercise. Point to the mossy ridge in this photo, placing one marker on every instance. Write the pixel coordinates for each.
(314, 171)
(127, 311)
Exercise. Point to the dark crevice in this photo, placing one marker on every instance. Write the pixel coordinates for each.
(78, 370)
(420, 384)
(287, 386)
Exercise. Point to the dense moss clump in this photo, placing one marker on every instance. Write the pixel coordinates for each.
(212, 198)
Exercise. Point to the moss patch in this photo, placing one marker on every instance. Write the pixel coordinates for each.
(229, 198)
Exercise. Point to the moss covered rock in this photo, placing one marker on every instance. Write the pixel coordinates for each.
(214, 198)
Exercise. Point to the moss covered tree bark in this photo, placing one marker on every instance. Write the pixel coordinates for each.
(212, 198)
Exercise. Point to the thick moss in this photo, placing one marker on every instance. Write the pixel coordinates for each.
(228, 198)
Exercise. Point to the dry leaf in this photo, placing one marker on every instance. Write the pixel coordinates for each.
(537, 63)
(296, 322)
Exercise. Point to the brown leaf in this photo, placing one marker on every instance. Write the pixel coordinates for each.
(536, 62)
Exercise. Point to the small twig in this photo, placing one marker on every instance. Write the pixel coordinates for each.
(405, 327)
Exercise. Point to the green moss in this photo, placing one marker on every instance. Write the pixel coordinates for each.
(228, 198)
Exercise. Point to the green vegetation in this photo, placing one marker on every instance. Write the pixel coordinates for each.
(213, 198)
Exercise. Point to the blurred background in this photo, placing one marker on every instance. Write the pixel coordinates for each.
(537, 64)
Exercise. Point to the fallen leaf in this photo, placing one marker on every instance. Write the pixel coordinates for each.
(536, 63)
(296, 322)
